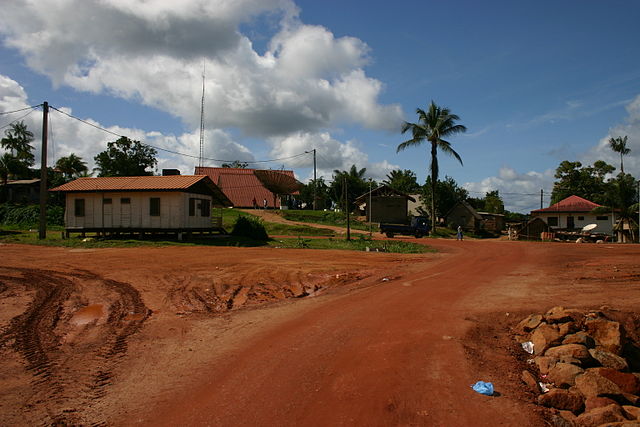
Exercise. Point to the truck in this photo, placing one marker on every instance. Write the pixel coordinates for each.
(418, 227)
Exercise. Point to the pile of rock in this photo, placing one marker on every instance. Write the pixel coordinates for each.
(584, 366)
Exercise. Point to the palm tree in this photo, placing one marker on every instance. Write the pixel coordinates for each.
(71, 166)
(433, 125)
(18, 140)
(619, 145)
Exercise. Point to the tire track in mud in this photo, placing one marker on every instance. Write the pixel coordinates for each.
(227, 290)
(71, 366)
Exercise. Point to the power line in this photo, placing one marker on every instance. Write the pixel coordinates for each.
(19, 118)
(22, 109)
(176, 152)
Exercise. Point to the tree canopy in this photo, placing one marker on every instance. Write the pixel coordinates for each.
(71, 166)
(448, 193)
(584, 181)
(619, 145)
(125, 157)
(356, 186)
(404, 181)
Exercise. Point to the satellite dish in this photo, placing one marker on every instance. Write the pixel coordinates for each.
(589, 227)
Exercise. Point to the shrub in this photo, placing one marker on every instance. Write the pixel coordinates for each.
(249, 226)
(28, 216)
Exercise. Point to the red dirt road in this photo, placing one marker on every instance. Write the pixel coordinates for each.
(371, 339)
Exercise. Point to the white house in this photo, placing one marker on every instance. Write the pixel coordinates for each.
(179, 203)
(573, 213)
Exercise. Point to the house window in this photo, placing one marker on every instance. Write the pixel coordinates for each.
(206, 208)
(125, 201)
(106, 201)
(79, 207)
(154, 206)
(580, 218)
(552, 221)
(602, 218)
(192, 207)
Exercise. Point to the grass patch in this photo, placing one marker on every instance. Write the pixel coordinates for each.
(229, 217)
(336, 219)
(357, 244)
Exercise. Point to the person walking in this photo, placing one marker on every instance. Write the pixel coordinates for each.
(459, 235)
(264, 203)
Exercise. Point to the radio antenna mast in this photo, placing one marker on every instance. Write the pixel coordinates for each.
(200, 157)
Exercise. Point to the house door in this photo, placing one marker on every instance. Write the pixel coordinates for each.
(125, 212)
(570, 223)
(107, 213)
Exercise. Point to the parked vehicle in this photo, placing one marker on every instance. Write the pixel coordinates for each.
(418, 227)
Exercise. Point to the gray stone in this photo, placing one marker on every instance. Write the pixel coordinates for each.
(530, 380)
(608, 359)
(580, 337)
(544, 337)
(545, 363)
(606, 333)
(591, 384)
(569, 352)
(564, 375)
(562, 399)
(529, 323)
(598, 416)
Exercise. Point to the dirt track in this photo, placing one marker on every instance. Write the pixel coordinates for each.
(234, 336)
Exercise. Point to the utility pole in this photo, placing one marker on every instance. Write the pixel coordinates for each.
(541, 197)
(346, 208)
(315, 183)
(201, 154)
(42, 228)
(370, 206)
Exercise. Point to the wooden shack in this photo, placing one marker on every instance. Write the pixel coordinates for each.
(109, 205)
(387, 205)
(464, 215)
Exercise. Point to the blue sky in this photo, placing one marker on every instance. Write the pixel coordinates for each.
(534, 82)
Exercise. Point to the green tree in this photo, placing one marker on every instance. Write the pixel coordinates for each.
(584, 181)
(321, 190)
(433, 126)
(356, 186)
(493, 202)
(125, 157)
(236, 164)
(404, 181)
(71, 166)
(622, 196)
(448, 193)
(619, 145)
(18, 141)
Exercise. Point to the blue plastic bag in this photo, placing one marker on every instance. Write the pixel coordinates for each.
(483, 388)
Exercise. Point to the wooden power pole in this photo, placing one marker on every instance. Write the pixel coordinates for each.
(42, 228)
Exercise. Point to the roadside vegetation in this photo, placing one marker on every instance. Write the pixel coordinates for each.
(337, 219)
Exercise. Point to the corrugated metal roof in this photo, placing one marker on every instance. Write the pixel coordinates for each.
(129, 183)
(241, 185)
(570, 204)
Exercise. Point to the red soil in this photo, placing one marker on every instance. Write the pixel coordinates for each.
(235, 336)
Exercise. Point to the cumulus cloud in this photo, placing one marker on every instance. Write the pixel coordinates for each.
(67, 135)
(629, 127)
(152, 51)
(519, 191)
(331, 154)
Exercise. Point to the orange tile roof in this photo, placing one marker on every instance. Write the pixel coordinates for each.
(570, 204)
(241, 186)
(175, 182)
(143, 183)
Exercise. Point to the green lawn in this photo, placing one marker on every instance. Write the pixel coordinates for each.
(356, 244)
(337, 219)
(229, 217)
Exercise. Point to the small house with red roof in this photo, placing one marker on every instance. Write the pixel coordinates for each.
(108, 205)
(247, 188)
(573, 213)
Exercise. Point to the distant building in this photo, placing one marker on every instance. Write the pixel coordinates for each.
(181, 203)
(464, 215)
(244, 186)
(387, 205)
(21, 191)
(573, 213)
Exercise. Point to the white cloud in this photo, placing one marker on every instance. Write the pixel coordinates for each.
(631, 128)
(331, 154)
(152, 52)
(519, 191)
(67, 135)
